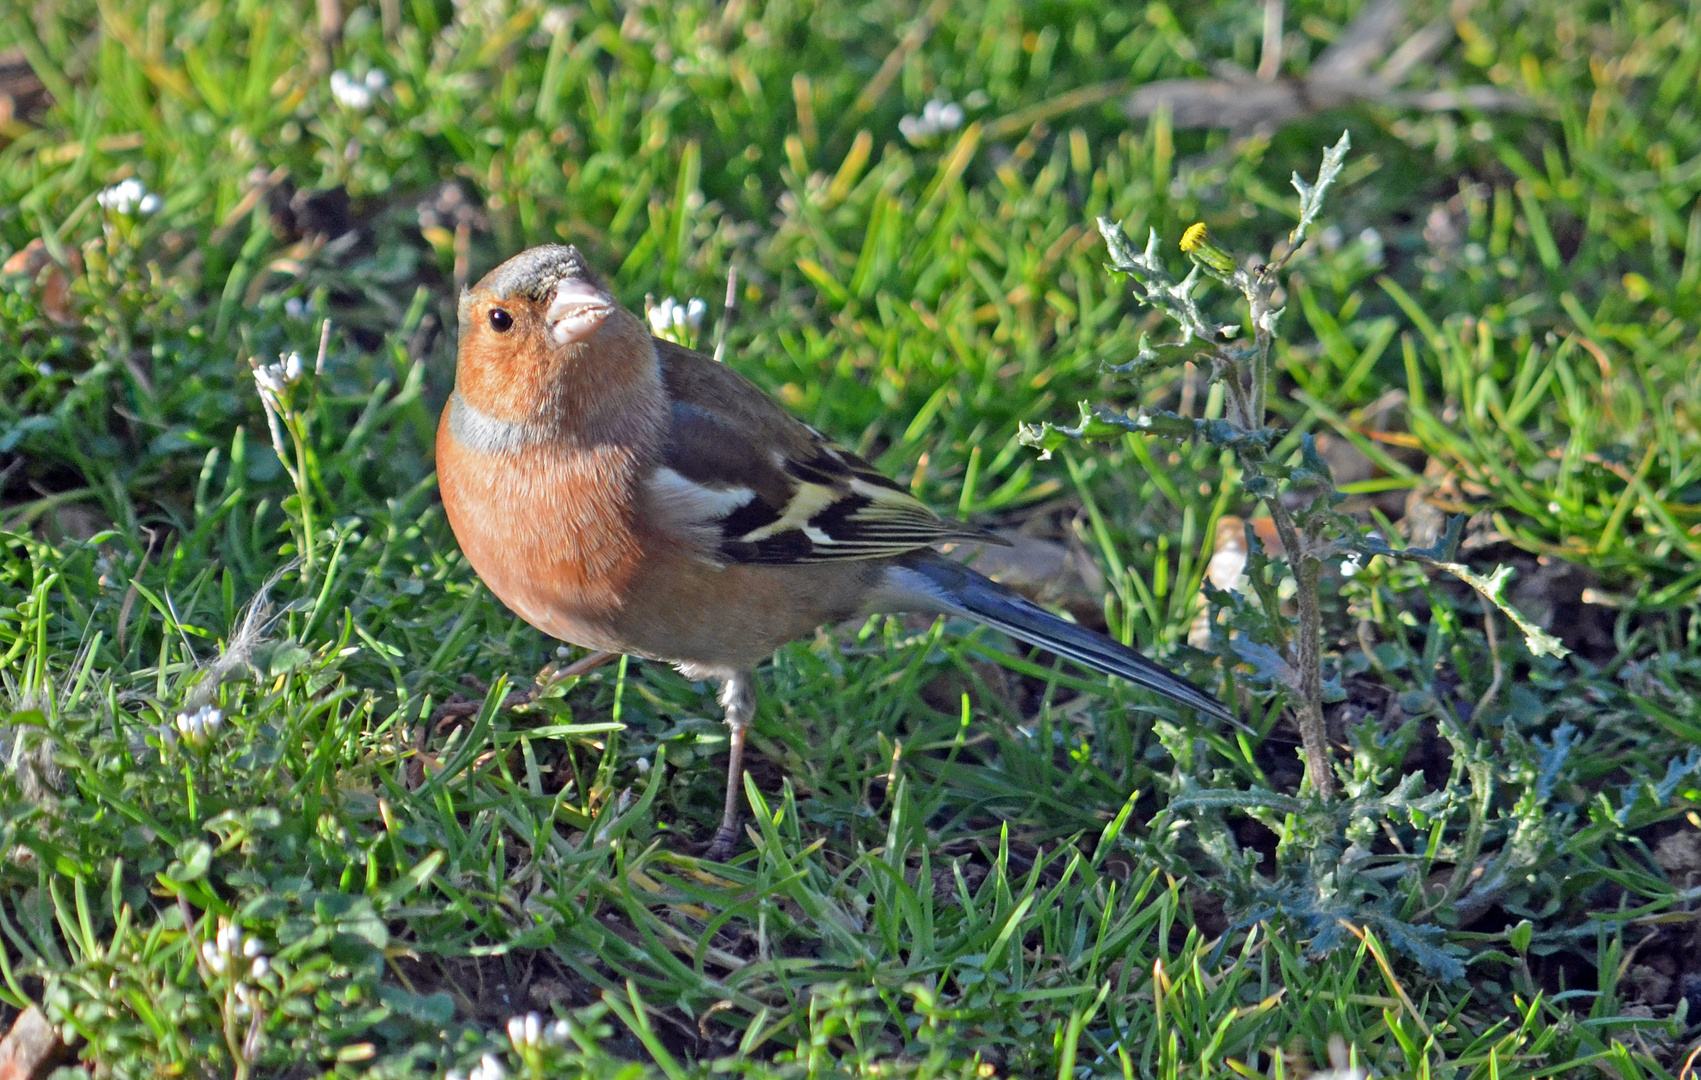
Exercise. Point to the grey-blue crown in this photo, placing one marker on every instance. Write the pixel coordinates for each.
(534, 273)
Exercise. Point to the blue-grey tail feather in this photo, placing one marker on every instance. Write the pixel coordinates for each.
(958, 590)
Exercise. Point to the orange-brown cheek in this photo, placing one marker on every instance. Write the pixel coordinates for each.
(504, 376)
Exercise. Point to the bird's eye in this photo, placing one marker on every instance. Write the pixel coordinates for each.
(500, 320)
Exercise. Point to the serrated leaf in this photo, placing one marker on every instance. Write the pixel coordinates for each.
(1268, 666)
(1311, 195)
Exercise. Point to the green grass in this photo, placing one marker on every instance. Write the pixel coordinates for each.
(969, 859)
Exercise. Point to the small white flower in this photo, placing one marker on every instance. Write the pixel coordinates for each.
(278, 377)
(675, 321)
(243, 955)
(937, 117)
(556, 1034)
(488, 1068)
(661, 316)
(129, 197)
(358, 94)
(525, 1031)
(269, 380)
(642, 765)
(198, 726)
(350, 93)
(944, 115)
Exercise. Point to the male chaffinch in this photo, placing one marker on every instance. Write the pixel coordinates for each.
(623, 493)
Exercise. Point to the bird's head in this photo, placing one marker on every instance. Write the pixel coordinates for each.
(542, 330)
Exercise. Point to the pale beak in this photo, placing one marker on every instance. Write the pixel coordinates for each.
(576, 311)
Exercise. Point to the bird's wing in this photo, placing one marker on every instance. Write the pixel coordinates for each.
(744, 482)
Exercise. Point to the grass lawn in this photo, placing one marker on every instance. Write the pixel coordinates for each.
(263, 810)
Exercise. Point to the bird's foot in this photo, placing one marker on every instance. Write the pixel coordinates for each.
(720, 848)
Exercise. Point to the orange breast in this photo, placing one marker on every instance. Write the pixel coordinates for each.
(548, 531)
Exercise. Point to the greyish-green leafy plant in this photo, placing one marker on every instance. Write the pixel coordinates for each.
(1332, 879)
(1299, 491)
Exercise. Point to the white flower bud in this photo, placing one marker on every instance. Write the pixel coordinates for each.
(524, 1031)
(488, 1069)
(661, 316)
(129, 197)
(356, 95)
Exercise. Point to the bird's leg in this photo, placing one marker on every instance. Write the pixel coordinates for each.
(738, 698)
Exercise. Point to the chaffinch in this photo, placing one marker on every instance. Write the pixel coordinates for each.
(623, 493)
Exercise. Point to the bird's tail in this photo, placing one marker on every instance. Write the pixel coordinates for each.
(955, 589)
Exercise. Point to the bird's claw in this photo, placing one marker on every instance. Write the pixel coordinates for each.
(720, 848)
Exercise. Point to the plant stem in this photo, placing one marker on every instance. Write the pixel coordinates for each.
(1246, 404)
(1307, 656)
(1313, 732)
(303, 490)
